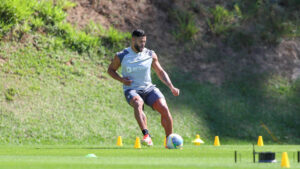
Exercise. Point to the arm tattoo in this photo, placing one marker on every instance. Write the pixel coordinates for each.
(164, 77)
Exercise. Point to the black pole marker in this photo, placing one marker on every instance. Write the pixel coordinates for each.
(235, 154)
(253, 154)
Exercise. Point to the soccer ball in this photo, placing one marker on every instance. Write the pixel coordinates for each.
(174, 141)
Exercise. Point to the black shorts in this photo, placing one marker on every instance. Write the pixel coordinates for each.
(149, 96)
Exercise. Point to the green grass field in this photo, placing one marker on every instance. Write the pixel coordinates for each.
(58, 104)
(112, 157)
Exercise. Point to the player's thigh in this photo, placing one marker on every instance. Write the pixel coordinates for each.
(133, 98)
(160, 105)
(156, 99)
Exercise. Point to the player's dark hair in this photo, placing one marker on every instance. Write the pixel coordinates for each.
(138, 33)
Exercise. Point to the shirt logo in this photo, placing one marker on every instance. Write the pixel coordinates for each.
(134, 69)
(128, 69)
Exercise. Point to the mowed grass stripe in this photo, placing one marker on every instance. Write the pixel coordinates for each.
(124, 162)
(109, 157)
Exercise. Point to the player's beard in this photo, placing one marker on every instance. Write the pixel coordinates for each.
(138, 48)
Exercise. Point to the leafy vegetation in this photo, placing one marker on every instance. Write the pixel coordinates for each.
(264, 22)
(186, 29)
(239, 23)
(223, 20)
(10, 93)
(21, 17)
(13, 13)
(55, 89)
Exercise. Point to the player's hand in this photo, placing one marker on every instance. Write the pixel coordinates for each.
(175, 91)
(126, 81)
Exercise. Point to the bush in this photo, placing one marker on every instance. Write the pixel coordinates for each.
(49, 13)
(81, 42)
(10, 94)
(186, 28)
(64, 4)
(223, 20)
(114, 38)
(36, 23)
(13, 12)
(272, 20)
(49, 16)
(111, 38)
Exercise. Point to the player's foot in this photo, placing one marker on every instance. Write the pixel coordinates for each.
(147, 140)
(166, 141)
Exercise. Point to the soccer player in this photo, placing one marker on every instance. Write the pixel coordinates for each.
(136, 62)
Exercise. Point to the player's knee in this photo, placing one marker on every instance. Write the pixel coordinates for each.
(138, 103)
(162, 106)
(164, 110)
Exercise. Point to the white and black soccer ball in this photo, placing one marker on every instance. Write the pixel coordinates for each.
(174, 141)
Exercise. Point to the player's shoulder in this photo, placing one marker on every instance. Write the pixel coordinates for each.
(149, 51)
(121, 54)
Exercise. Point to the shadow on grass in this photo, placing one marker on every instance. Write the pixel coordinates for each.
(242, 108)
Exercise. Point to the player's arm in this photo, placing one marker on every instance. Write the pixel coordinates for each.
(163, 76)
(112, 71)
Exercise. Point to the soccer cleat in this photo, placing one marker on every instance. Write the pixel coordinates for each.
(147, 140)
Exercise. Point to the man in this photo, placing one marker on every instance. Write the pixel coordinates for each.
(136, 62)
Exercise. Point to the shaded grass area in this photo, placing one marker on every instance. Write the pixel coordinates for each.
(242, 108)
(127, 157)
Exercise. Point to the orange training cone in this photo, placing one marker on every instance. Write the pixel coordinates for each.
(137, 143)
(260, 141)
(217, 141)
(119, 142)
(198, 140)
(285, 160)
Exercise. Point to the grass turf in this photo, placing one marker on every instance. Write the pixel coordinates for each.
(111, 157)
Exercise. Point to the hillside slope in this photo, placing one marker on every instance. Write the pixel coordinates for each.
(55, 89)
(212, 40)
(47, 100)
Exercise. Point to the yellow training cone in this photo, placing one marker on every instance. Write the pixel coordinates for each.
(137, 143)
(285, 160)
(198, 140)
(119, 142)
(217, 141)
(260, 141)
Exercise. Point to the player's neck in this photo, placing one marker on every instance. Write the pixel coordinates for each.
(133, 49)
